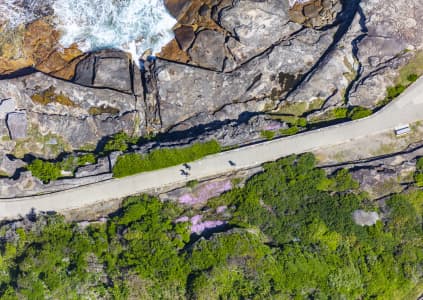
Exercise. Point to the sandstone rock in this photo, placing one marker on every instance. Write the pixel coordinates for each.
(79, 132)
(7, 106)
(184, 35)
(387, 36)
(46, 95)
(208, 50)
(24, 185)
(315, 13)
(17, 125)
(255, 26)
(176, 7)
(79, 115)
(102, 166)
(365, 218)
(35, 45)
(184, 92)
(109, 69)
(9, 166)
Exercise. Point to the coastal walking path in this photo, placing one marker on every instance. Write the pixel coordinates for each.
(407, 108)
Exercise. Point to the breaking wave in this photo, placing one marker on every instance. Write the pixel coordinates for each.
(130, 25)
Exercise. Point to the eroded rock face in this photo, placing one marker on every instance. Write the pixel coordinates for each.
(36, 45)
(80, 115)
(106, 69)
(184, 91)
(391, 29)
(315, 13)
(255, 26)
(208, 50)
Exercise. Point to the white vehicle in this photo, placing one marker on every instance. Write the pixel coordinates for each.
(402, 129)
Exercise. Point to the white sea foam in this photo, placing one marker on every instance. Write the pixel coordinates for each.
(16, 12)
(130, 25)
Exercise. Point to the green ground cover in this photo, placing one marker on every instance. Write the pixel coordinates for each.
(292, 237)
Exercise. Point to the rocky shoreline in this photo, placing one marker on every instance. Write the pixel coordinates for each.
(235, 69)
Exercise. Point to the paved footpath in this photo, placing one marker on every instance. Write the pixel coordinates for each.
(407, 108)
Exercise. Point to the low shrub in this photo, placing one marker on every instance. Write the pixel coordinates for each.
(412, 77)
(394, 91)
(267, 134)
(86, 159)
(290, 131)
(302, 122)
(118, 142)
(359, 112)
(134, 163)
(44, 170)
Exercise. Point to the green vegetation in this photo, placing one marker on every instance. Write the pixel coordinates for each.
(300, 108)
(86, 159)
(45, 170)
(301, 122)
(412, 77)
(133, 163)
(359, 112)
(119, 142)
(412, 70)
(418, 175)
(289, 131)
(334, 114)
(395, 91)
(339, 113)
(192, 183)
(407, 75)
(267, 134)
(292, 237)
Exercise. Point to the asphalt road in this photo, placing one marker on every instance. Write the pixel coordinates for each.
(407, 108)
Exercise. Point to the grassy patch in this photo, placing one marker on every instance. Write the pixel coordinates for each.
(133, 163)
(407, 75)
(300, 108)
(411, 71)
(330, 115)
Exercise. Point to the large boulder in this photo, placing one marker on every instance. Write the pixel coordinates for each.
(106, 69)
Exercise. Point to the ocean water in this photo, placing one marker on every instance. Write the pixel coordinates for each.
(130, 25)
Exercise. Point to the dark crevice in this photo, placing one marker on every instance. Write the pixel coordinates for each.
(19, 73)
(355, 51)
